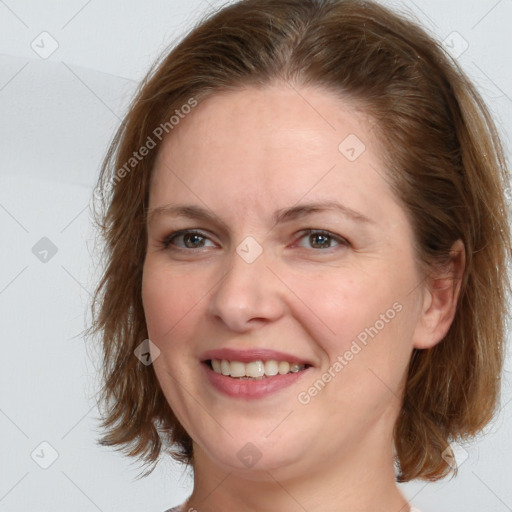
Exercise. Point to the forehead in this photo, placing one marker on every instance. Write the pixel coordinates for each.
(272, 146)
(279, 117)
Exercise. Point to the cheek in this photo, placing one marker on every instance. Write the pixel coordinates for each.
(339, 305)
(171, 312)
(365, 319)
(170, 302)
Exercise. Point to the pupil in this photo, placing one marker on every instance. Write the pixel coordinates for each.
(193, 238)
(325, 243)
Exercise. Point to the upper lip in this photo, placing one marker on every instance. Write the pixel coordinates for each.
(255, 354)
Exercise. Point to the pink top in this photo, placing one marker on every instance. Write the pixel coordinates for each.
(178, 509)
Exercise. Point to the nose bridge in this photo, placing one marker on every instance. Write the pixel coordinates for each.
(249, 290)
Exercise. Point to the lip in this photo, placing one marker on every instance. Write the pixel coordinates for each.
(246, 356)
(250, 389)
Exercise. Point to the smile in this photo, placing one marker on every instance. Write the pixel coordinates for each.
(254, 369)
(252, 373)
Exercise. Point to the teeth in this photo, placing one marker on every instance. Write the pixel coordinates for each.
(225, 367)
(254, 369)
(271, 368)
(238, 369)
(284, 367)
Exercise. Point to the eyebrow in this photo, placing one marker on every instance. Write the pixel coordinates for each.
(280, 216)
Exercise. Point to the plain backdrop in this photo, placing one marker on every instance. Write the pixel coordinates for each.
(68, 71)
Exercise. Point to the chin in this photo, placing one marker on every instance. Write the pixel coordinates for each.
(253, 453)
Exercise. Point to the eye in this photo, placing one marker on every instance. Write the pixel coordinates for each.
(321, 239)
(189, 240)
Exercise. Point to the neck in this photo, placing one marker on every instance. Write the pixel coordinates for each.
(362, 480)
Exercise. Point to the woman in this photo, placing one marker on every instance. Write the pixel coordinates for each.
(307, 242)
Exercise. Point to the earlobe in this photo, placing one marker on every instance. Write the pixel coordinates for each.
(440, 299)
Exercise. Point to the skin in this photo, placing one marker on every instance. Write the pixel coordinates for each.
(243, 155)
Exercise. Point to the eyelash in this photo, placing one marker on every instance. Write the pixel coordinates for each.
(166, 242)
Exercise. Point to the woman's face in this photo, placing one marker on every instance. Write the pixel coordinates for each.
(298, 253)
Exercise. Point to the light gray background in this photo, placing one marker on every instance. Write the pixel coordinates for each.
(57, 115)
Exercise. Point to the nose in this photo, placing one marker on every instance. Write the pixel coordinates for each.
(249, 295)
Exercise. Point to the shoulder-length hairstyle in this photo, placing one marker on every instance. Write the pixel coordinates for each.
(445, 163)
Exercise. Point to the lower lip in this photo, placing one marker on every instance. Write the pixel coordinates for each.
(249, 389)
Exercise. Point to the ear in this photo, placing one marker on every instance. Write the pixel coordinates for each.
(440, 297)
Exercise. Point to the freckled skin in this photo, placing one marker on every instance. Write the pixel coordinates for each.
(243, 155)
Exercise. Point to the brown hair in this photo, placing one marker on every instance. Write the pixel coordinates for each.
(446, 167)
